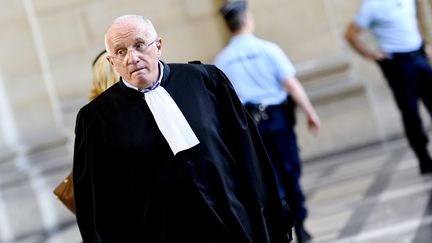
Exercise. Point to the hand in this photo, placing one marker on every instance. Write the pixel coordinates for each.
(378, 55)
(313, 123)
(428, 52)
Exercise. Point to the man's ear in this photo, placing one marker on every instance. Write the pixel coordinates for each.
(109, 59)
(159, 45)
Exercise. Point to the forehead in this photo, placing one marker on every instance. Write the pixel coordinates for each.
(125, 32)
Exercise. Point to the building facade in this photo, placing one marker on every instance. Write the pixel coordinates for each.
(47, 47)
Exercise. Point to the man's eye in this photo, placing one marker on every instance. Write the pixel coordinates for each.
(121, 52)
(140, 45)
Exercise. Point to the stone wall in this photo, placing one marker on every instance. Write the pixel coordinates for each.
(47, 47)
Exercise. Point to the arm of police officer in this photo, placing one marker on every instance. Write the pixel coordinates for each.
(425, 32)
(297, 92)
(352, 36)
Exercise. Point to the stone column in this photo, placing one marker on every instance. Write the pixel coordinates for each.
(26, 77)
(8, 138)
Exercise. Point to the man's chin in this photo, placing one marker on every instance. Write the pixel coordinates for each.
(141, 81)
(140, 75)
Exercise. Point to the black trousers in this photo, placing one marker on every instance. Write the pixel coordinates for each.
(409, 76)
(276, 127)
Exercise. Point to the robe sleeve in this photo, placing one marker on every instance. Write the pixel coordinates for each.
(244, 142)
(87, 150)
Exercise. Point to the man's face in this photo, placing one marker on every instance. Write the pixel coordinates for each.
(133, 54)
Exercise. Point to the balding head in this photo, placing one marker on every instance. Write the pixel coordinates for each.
(128, 20)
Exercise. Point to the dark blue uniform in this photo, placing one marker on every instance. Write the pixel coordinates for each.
(407, 71)
(257, 68)
(409, 76)
(280, 140)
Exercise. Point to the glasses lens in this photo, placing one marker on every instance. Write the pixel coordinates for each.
(136, 49)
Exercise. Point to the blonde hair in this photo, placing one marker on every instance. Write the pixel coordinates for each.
(104, 75)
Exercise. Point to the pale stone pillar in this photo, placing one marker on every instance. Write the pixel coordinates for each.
(31, 108)
(8, 138)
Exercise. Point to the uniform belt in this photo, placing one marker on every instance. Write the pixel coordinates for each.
(261, 111)
(410, 54)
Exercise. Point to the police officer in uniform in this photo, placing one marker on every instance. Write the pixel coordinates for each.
(403, 61)
(264, 79)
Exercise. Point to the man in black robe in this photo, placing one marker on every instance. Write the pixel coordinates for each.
(168, 154)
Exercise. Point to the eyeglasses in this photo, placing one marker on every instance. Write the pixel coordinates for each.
(139, 48)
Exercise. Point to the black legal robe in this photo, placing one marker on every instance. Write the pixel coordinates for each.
(129, 187)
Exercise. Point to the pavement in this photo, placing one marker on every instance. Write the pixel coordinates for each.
(375, 194)
(372, 194)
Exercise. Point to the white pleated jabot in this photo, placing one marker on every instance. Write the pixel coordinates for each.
(169, 118)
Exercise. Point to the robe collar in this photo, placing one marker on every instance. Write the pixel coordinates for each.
(136, 93)
(167, 115)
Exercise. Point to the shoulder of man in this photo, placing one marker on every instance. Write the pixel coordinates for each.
(209, 69)
(84, 117)
(193, 65)
(195, 62)
(210, 73)
(101, 102)
(107, 94)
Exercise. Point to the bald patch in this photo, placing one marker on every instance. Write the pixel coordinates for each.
(127, 23)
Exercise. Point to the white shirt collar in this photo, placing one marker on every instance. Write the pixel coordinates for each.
(155, 85)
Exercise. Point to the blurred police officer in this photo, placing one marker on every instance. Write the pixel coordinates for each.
(401, 57)
(264, 78)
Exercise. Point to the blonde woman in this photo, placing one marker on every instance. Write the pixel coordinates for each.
(103, 75)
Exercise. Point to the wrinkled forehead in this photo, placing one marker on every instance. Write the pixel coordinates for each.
(125, 31)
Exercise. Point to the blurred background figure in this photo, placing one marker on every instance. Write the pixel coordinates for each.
(103, 75)
(264, 78)
(403, 61)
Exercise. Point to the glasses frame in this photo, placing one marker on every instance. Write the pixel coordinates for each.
(146, 46)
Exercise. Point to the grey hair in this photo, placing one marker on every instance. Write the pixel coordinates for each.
(148, 24)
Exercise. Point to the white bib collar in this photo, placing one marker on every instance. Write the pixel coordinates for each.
(169, 118)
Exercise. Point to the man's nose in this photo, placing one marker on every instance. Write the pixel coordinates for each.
(132, 56)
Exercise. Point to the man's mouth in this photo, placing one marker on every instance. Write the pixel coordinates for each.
(136, 70)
